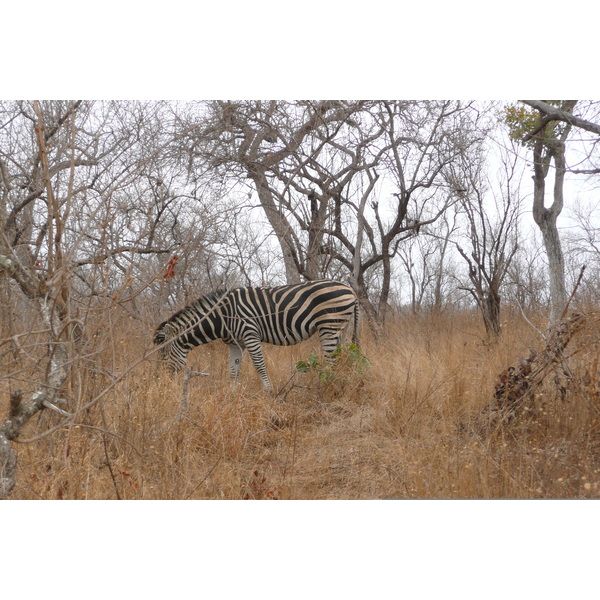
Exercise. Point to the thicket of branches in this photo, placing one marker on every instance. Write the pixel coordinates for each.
(114, 208)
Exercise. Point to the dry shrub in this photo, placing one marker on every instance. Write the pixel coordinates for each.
(394, 430)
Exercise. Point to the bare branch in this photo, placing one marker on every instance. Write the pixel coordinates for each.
(553, 113)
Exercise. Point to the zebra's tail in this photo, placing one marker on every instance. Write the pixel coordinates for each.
(355, 330)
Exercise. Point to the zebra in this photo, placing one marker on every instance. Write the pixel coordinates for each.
(245, 317)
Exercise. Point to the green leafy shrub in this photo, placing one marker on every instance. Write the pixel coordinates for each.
(347, 361)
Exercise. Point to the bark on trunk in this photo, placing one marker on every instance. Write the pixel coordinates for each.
(556, 268)
(279, 223)
(318, 212)
(491, 313)
(385, 284)
(546, 220)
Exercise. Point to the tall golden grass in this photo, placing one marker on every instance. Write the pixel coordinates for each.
(403, 428)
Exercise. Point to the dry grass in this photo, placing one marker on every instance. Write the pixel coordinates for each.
(403, 429)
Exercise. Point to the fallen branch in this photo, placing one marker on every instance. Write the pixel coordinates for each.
(516, 385)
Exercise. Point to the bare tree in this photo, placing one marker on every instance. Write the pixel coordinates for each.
(342, 184)
(73, 211)
(492, 235)
(547, 137)
(35, 260)
(582, 247)
(428, 140)
(255, 137)
(526, 285)
(425, 259)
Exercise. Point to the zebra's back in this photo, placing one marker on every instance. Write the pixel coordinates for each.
(288, 314)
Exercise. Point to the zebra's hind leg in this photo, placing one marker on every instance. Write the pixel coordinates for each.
(235, 363)
(330, 342)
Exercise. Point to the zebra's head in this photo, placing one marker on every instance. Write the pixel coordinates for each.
(171, 351)
(187, 329)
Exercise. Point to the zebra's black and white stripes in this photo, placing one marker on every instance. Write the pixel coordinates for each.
(247, 316)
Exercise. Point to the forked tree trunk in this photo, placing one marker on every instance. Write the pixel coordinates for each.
(546, 219)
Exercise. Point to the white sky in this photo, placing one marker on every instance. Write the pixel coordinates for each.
(266, 49)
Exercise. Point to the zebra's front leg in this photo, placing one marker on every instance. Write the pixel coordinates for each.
(256, 354)
(235, 363)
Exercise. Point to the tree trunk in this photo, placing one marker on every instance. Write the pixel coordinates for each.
(491, 313)
(318, 211)
(438, 296)
(556, 267)
(546, 219)
(21, 412)
(363, 298)
(280, 225)
(385, 285)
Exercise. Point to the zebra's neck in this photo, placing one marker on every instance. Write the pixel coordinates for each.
(203, 308)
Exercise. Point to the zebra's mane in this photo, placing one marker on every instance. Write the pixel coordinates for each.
(205, 303)
(198, 308)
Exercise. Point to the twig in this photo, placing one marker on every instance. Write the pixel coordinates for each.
(112, 475)
(564, 312)
(105, 431)
(60, 411)
(93, 401)
(282, 395)
(540, 333)
(104, 443)
(205, 478)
